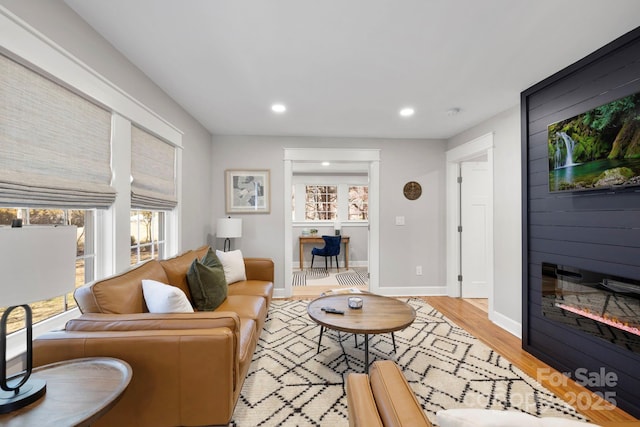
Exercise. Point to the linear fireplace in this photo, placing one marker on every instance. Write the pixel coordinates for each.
(602, 305)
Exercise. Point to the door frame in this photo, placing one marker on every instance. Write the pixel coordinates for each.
(369, 156)
(468, 151)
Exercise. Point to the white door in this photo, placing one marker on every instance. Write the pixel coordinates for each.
(475, 218)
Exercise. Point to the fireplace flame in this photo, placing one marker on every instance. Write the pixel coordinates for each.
(607, 320)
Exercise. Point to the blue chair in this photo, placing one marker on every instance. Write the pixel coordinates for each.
(331, 249)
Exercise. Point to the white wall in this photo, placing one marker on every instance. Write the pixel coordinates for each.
(420, 242)
(507, 289)
(60, 24)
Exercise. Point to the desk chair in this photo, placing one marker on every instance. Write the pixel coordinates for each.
(331, 249)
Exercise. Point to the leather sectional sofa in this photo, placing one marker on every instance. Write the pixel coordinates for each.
(188, 368)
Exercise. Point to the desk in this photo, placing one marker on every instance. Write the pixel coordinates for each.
(318, 239)
(79, 391)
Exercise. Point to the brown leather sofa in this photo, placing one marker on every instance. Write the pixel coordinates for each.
(188, 368)
(383, 398)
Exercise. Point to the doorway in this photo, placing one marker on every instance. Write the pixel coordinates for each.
(470, 220)
(475, 227)
(370, 159)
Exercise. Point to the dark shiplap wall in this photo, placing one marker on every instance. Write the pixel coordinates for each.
(593, 230)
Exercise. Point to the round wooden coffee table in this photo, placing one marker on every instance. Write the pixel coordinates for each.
(378, 315)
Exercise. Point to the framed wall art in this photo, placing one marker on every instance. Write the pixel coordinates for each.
(247, 191)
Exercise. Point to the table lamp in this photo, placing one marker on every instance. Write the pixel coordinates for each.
(229, 228)
(37, 263)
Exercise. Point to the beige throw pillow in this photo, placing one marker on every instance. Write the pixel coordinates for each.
(233, 264)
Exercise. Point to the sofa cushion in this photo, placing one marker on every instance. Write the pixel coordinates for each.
(253, 287)
(248, 338)
(207, 282)
(120, 294)
(162, 298)
(248, 306)
(233, 264)
(176, 270)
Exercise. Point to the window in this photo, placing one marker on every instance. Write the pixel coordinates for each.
(321, 203)
(330, 202)
(84, 219)
(358, 202)
(58, 124)
(148, 239)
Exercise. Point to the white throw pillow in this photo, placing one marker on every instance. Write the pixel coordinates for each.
(161, 298)
(233, 265)
(470, 417)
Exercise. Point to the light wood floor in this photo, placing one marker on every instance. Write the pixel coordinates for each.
(474, 320)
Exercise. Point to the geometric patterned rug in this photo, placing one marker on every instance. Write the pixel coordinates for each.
(290, 384)
(323, 277)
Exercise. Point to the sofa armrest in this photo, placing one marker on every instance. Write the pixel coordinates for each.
(177, 374)
(259, 269)
(361, 403)
(397, 404)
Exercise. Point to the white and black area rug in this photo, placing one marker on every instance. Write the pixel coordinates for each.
(291, 384)
(319, 276)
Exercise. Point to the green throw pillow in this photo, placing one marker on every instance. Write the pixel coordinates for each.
(207, 282)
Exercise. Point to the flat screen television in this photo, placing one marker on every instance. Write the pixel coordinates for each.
(596, 149)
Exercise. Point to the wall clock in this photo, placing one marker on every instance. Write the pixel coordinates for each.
(412, 190)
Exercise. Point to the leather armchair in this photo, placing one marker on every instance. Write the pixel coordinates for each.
(383, 398)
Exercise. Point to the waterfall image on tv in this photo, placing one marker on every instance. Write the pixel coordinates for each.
(596, 149)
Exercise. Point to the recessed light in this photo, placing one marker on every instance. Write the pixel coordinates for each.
(453, 111)
(278, 108)
(407, 112)
(326, 164)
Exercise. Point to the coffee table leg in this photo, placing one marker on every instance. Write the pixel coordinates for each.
(366, 353)
(320, 339)
(393, 338)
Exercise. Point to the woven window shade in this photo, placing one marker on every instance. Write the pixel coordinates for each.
(153, 172)
(55, 148)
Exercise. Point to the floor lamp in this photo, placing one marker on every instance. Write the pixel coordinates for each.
(227, 229)
(37, 263)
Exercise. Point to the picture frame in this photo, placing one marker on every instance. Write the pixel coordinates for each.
(248, 190)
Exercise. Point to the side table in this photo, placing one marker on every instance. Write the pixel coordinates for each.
(79, 391)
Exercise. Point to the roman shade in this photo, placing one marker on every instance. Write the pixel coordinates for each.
(153, 172)
(55, 147)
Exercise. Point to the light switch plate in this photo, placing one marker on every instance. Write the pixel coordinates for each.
(399, 220)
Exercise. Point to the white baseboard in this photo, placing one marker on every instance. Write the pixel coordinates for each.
(279, 293)
(509, 325)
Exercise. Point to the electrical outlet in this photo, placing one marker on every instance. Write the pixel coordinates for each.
(419, 270)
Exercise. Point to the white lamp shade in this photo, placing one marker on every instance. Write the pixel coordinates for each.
(36, 263)
(229, 228)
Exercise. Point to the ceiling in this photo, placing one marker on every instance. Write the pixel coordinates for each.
(344, 68)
